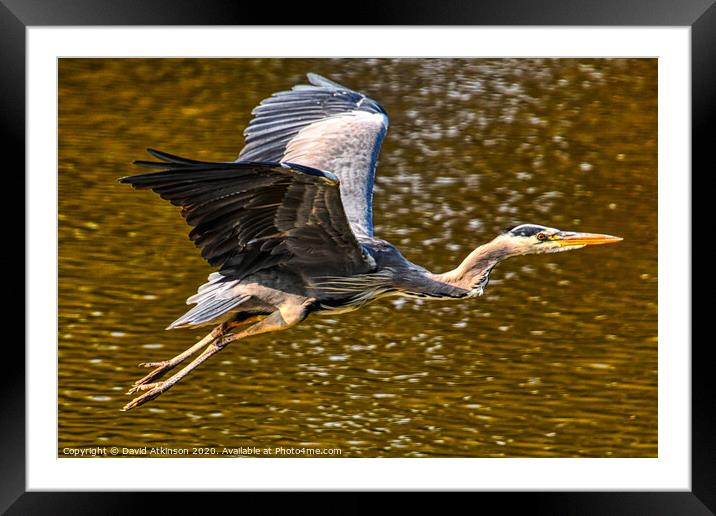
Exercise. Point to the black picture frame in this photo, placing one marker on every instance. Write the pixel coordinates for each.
(17, 15)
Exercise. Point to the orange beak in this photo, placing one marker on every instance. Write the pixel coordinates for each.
(568, 238)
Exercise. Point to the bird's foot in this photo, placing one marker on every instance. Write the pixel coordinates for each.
(154, 364)
(160, 368)
(155, 390)
(143, 387)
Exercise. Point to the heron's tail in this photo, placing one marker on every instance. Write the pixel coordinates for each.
(215, 303)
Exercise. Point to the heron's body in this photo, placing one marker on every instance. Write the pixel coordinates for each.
(265, 291)
(289, 225)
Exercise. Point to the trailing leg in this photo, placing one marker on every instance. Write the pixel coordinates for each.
(281, 319)
(166, 365)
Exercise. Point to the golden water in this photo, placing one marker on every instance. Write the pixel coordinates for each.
(557, 359)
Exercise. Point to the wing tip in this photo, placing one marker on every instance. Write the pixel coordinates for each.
(319, 80)
(164, 156)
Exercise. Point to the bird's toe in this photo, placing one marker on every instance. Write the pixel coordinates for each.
(154, 364)
(144, 387)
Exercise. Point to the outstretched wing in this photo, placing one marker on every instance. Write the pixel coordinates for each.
(326, 126)
(248, 217)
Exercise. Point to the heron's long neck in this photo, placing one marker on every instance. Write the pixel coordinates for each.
(478, 264)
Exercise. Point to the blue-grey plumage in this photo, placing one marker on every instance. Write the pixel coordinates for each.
(328, 127)
(289, 225)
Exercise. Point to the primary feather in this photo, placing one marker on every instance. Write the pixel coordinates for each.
(248, 217)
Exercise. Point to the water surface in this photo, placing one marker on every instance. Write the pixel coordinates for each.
(557, 359)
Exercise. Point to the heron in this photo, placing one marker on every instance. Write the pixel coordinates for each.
(288, 226)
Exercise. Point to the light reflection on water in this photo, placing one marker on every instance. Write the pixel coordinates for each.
(558, 358)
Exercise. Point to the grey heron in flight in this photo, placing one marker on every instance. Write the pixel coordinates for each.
(289, 226)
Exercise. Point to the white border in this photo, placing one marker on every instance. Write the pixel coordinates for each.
(670, 471)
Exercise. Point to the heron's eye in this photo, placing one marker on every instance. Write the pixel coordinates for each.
(541, 236)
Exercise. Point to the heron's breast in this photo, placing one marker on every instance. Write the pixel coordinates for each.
(350, 304)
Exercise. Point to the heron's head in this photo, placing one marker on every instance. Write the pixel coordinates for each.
(536, 239)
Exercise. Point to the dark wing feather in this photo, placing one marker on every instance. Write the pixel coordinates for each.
(326, 126)
(250, 216)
